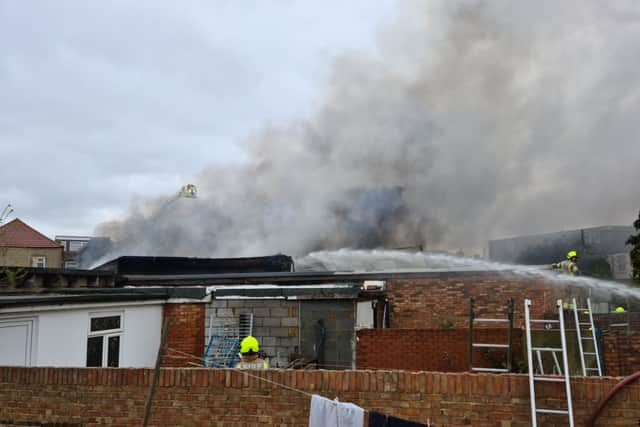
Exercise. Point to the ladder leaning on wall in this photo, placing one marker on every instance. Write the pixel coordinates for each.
(508, 346)
(585, 340)
(562, 372)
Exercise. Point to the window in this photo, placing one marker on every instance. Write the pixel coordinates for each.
(620, 263)
(103, 342)
(76, 245)
(39, 261)
(245, 325)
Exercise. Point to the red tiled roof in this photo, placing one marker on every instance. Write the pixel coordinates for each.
(17, 234)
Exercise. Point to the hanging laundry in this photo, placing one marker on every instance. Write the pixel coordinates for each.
(399, 422)
(331, 413)
(350, 415)
(323, 412)
(376, 419)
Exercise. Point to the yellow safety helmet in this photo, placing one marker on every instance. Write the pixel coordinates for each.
(619, 309)
(572, 254)
(249, 345)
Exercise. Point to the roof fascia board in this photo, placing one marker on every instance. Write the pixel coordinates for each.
(78, 306)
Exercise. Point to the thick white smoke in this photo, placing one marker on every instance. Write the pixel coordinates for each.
(477, 119)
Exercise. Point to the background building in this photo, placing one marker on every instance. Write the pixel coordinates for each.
(71, 247)
(23, 246)
(602, 250)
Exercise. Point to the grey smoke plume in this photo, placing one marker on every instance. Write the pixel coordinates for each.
(476, 119)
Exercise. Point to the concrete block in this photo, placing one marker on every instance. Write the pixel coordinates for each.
(224, 312)
(271, 351)
(271, 321)
(233, 303)
(268, 341)
(263, 303)
(279, 312)
(260, 312)
(261, 331)
(289, 321)
(218, 303)
(286, 342)
(279, 332)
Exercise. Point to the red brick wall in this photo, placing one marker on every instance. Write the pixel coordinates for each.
(186, 333)
(203, 397)
(621, 352)
(433, 350)
(426, 303)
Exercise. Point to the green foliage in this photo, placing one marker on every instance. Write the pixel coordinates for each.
(634, 241)
(13, 276)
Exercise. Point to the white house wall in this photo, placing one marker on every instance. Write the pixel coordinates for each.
(60, 336)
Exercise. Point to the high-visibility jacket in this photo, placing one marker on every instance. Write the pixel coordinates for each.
(567, 266)
(254, 364)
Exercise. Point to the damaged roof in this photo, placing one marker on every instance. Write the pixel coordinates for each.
(151, 265)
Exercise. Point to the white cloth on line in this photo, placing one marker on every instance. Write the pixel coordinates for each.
(350, 415)
(331, 413)
(323, 412)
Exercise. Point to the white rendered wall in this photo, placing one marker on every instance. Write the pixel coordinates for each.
(60, 338)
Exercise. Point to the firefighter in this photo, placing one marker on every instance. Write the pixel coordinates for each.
(569, 265)
(249, 357)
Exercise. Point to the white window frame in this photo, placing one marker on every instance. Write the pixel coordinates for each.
(36, 259)
(71, 264)
(106, 334)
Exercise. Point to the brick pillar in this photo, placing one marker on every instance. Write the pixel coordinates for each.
(186, 333)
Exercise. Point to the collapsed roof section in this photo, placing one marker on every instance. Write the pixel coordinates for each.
(151, 265)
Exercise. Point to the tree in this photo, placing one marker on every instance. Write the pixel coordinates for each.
(634, 241)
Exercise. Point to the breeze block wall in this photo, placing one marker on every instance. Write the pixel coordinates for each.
(275, 323)
(442, 299)
(186, 334)
(74, 397)
(434, 349)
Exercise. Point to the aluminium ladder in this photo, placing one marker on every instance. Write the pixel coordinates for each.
(563, 373)
(473, 319)
(586, 339)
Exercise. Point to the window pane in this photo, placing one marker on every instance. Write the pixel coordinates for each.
(113, 353)
(105, 323)
(94, 351)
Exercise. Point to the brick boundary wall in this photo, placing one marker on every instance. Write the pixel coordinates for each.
(186, 333)
(433, 350)
(448, 350)
(428, 303)
(74, 397)
(621, 353)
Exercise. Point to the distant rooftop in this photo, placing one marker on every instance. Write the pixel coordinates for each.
(603, 228)
(18, 234)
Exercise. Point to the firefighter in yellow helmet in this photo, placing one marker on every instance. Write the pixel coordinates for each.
(569, 265)
(249, 357)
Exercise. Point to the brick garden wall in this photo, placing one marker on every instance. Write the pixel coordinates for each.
(186, 333)
(433, 350)
(429, 302)
(202, 397)
(621, 352)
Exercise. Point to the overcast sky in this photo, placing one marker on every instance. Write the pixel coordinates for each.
(103, 103)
